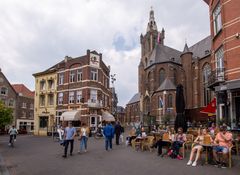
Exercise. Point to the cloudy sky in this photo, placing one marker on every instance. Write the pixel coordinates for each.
(35, 35)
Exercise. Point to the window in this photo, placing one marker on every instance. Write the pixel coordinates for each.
(31, 115)
(24, 105)
(72, 76)
(42, 100)
(79, 75)
(71, 97)
(217, 21)
(79, 96)
(31, 106)
(43, 122)
(4, 91)
(94, 74)
(23, 114)
(219, 57)
(93, 95)
(11, 103)
(170, 101)
(175, 76)
(161, 76)
(206, 91)
(160, 104)
(61, 79)
(50, 99)
(50, 84)
(60, 98)
(42, 85)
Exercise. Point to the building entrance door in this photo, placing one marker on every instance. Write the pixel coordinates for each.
(237, 107)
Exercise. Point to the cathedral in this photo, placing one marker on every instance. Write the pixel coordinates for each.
(161, 69)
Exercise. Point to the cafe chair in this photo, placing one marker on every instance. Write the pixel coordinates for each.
(229, 157)
(187, 144)
(136, 144)
(148, 143)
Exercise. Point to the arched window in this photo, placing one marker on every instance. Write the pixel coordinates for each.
(206, 92)
(161, 76)
(170, 101)
(175, 76)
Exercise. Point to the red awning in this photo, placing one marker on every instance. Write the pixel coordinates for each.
(210, 108)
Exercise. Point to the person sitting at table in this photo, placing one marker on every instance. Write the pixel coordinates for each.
(180, 138)
(224, 142)
(198, 147)
(143, 134)
(161, 143)
(131, 136)
(212, 129)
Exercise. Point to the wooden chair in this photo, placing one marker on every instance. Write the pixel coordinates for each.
(186, 144)
(148, 143)
(229, 157)
(135, 144)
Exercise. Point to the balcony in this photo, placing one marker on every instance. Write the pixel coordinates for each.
(216, 77)
(94, 103)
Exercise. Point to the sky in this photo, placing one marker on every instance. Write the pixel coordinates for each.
(35, 35)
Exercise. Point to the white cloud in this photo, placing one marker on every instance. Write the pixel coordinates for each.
(35, 34)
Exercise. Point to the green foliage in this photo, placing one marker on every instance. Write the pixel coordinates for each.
(6, 116)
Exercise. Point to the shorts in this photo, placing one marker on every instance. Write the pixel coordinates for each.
(221, 149)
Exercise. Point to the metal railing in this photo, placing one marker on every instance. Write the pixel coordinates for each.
(216, 76)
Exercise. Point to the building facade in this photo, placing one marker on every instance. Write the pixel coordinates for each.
(45, 101)
(162, 68)
(132, 109)
(24, 108)
(120, 115)
(8, 95)
(73, 85)
(225, 38)
(83, 84)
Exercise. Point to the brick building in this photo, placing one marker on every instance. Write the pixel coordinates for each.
(83, 84)
(225, 39)
(8, 95)
(133, 109)
(24, 108)
(161, 69)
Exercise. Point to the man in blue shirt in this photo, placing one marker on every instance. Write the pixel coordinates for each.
(108, 132)
(69, 135)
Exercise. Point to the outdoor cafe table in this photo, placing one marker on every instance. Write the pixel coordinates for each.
(207, 146)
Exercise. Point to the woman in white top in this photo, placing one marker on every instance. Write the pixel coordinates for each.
(84, 132)
(198, 147)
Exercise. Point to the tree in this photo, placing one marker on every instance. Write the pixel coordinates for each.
(6, 115)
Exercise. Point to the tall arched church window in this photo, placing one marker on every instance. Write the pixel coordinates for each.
(161, 76)
(170, 101)
(206, 92)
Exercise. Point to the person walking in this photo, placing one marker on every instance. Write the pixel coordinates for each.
(108, 132)
(84, 132)
(69, 135)
(118, 132)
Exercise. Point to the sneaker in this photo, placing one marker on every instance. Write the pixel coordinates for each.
(194, 163)
(9, 144)
(71, 154)
(223, 165)
(189, 162)
(179, 157)
(64, 156)
(85, 151)
(15, 140)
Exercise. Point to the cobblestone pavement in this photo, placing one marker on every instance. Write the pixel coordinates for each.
(42, 156)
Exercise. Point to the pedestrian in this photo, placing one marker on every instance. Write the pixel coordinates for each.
(12, 134)
(118, 132)
(69, 135)
(84, 132)
(108, 132)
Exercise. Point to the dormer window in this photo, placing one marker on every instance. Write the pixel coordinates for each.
(172, 59)
(207, 52)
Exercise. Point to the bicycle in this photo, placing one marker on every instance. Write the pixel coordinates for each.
(12, 137)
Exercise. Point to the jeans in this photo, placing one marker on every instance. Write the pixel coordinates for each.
(159, 144)
(83, 143)
(176, 147)
(12, 137)
(66, 146)
(108, 142)
(117, 138)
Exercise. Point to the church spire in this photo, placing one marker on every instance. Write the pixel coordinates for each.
(151, 24)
